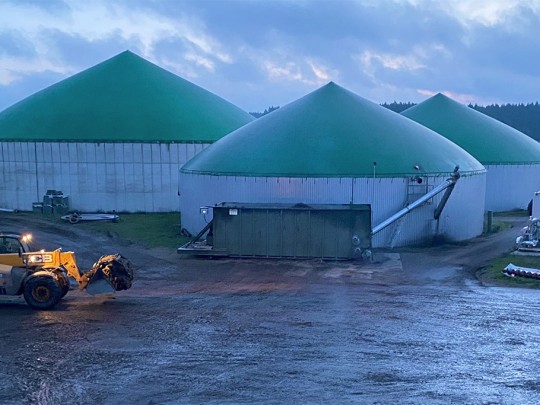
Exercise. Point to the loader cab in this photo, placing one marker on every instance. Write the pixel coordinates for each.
(12, 246)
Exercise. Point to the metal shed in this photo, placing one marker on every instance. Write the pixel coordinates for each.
(292, 231)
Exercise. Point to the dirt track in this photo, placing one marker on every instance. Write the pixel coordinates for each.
(413, 327)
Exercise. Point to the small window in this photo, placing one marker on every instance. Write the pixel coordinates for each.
(9, 245)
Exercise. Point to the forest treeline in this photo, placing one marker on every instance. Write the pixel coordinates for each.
(523, 117)
(266, 111)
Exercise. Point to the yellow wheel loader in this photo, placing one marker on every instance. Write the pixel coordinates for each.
(12, 246)
(43, 278)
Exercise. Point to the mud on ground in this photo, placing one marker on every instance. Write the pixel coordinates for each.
(414, 326)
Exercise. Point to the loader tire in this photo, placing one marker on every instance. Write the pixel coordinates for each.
(64, 283)
(62, 278)
(42, 292)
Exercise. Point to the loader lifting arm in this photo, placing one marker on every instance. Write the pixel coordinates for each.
(109, 273)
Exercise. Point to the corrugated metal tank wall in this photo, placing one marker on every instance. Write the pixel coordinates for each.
(96, 176)
(18, 180)
(464, 210)
(463, 216)
(511, 187)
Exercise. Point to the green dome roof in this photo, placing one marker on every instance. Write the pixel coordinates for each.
(125, 98)
(488, 140)
(332, 132)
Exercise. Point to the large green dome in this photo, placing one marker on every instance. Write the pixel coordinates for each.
(332, 132)
(125, 98)
(488, 140)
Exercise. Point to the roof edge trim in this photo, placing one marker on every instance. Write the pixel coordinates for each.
(106, 141)
(332, 176)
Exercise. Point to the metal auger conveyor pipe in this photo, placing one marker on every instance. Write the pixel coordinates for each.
(448, 184)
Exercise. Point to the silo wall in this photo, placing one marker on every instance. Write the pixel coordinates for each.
(127, 177)
(511, 187)
(461, 219)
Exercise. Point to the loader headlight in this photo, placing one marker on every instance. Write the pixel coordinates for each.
(27, 237)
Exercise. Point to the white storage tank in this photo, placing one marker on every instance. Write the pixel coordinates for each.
(112, 137)
(512, 159)
(334, 147)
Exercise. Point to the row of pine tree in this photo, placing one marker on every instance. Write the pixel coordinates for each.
(523, 117)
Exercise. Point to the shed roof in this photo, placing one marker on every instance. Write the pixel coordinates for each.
(332, 132)
(487, 139)
(125, 98)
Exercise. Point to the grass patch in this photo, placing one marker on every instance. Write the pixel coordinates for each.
(494, 272)
(151, 230)
(496, 226)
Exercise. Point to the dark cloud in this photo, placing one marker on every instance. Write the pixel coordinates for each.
(379, 49)
(332, 33)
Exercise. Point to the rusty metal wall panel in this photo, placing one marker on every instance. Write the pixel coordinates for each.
(510, 187)
(301, 220)
(318, 236)
(274, 241)
(227, 231)
(309, 232)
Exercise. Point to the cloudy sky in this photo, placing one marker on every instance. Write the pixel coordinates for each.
(260, 53)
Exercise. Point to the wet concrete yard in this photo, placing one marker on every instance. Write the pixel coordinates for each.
(404, 329)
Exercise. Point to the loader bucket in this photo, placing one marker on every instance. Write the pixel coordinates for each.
(99, 285)
(110, 273)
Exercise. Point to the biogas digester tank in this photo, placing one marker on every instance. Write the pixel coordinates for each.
(335, 147)
(112, 137)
